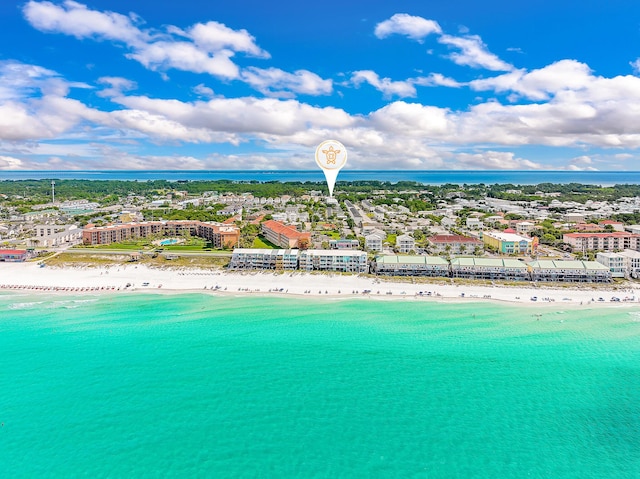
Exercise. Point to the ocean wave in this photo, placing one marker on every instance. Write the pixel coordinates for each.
(25, 305)
(635, 316)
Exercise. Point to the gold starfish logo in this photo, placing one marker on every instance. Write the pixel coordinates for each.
(330, 155)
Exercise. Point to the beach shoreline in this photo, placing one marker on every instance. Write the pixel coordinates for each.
(30, 277)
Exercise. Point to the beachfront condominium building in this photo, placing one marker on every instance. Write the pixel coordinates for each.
(454, 244)
(405, 243)
(632, 262)
(253, 258)
(616, 241)
(623, 264)
(510, 243)
(614, 262)
(348, 261)
(285, 236)
(410, 265)
(569, 271)
(219, 234)
(55, 235)
(489, 268)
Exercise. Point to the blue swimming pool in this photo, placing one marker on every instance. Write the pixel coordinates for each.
(168, 242)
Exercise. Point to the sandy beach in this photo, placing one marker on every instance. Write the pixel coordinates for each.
(30, 277)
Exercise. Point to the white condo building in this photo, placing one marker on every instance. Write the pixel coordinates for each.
(350, 261)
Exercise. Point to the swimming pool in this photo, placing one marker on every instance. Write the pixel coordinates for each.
(168, 242)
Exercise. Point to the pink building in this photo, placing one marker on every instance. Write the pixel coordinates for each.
(616, 241)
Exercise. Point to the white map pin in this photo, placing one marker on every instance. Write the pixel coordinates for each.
(331, 156)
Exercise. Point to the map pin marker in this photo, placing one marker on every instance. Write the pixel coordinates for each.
(331, 156)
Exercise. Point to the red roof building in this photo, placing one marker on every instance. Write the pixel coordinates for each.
(285, 236)
(13, 255)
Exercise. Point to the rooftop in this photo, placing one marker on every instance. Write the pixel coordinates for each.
(411, 259)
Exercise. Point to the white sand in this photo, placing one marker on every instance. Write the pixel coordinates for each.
(30, 277)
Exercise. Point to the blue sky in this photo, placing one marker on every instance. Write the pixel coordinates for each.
(250, 84)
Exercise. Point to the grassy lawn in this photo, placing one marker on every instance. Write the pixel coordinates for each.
(146, 244)
(263, 243)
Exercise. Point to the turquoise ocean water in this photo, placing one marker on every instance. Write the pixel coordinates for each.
(202, 386)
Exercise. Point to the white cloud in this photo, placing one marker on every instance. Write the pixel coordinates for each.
(202, 48)
(152, 50)
(10, 163)
(203, 90)
(18, 80)
(388, 87)
(116, 86)
(248, 115)
(495, 160)
(472, 50)
(542, 83)
(437, 79)
(582, 161)
(276, 82)
(75, 19)
(473, 53)
(215, 36)
(411, 119)
(185, 56)
(416, 28)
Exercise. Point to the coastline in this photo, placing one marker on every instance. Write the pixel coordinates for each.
(30, 278)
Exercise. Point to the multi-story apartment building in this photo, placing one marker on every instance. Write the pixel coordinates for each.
(632, 262)
(285, 236)
(569, 271)
(278, 259)
(454, 244)
(616, 241)
(623, 264)
(334, 260)
(55, 235)
(411, 265)
(489, 268)
(510, 242)
(614, 262)
(221, 235)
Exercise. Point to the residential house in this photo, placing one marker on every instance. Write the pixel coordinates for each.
(374, 241)
(405, 243)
